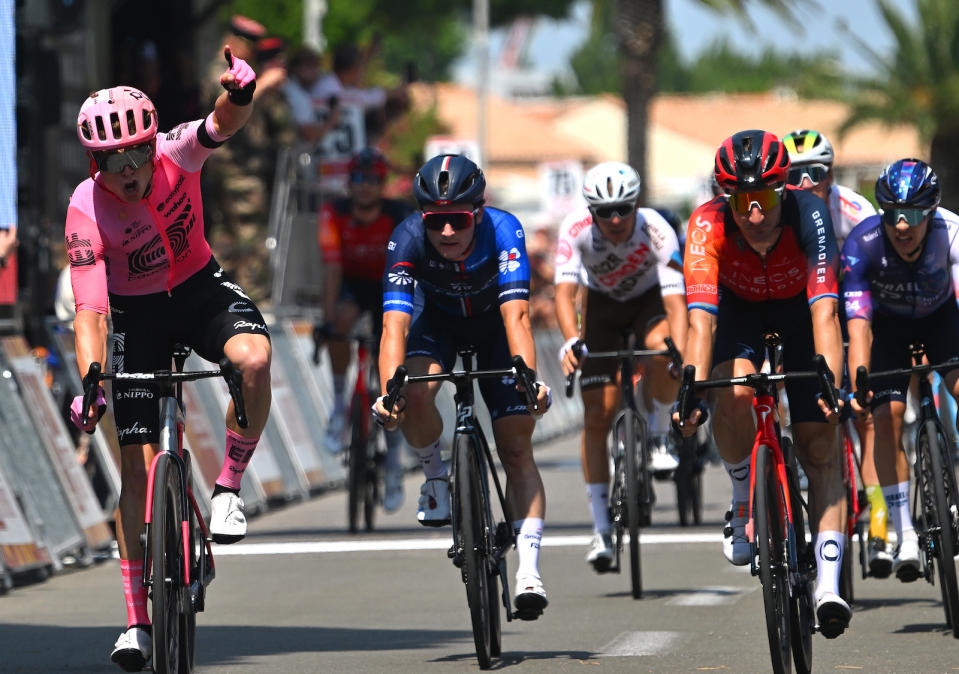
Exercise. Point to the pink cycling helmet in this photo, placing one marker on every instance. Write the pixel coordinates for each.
(116, 117)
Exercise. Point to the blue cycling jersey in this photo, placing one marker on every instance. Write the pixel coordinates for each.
(495, 272)
(874, 277)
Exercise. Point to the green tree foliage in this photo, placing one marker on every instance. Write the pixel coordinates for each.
(917, 83)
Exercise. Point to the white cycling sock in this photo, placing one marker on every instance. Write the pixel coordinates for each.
(739, 476)
(339, 387)
(659, 418)
(897, 503)
(599, 506)
(394, 450)
(830, 546)
(528, 538)
(431, 459)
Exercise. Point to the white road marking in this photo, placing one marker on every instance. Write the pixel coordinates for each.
(395, 544)
(641, 643)
(719, 595)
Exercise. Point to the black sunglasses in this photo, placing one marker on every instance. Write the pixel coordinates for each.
(458, 220)
(114, 161)
(613, 210)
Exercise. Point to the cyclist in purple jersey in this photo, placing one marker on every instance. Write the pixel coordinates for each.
(898, 290)
(472, 287)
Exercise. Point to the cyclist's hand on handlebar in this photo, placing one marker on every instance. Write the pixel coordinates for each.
(697, 417)
(544, 399)
(572, 354)
(831, 416)
(390, 420)
(857, 409)
(76, 412)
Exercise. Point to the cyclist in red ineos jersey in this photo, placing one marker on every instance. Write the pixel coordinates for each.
(764, 259)
(353, 234)
(134, 235)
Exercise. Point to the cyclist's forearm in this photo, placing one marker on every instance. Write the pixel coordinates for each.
(676, 318)
(392, 344)
(91, 331)
(860, 344)
(827, 334)
(229, 118)
(566, 309)
(698, 349)
(519, 331)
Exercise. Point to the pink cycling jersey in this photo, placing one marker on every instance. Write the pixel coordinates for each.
(146, 247)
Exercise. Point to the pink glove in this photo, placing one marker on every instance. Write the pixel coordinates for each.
(239, 80)
(76, 412)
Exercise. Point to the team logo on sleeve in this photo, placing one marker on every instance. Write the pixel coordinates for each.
(509, 260)
(400, 277)
(563, 252)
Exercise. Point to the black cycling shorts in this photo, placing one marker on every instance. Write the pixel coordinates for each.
(740, 327)
(367, 295)
(605, 323)
(436, 335)
(892, 337)
(203, 312)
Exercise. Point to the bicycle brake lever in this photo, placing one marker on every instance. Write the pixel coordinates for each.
(91, 380)
(685, 396)
(826, 383)
(234, 382)
(393, 387)
(522, 373)
(862, 386)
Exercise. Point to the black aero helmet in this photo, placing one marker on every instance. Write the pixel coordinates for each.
(448, 179)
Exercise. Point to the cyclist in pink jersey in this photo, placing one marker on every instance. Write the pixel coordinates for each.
(134, 236)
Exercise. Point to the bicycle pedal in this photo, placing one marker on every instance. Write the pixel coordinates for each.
(527, 614)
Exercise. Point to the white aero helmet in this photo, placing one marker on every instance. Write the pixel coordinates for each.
(611, 182)
(808, 147)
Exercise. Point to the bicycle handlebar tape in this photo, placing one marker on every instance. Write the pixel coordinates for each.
(862, 385)
(685, 396)
(826, 383)
(91, 381)
(527, 378)
(234, 382)
(393, 387)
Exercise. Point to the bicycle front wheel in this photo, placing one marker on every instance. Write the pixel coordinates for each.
(356, 465)
(689, 486)
(943, 519)
(166, 547)
(773, 573)
(628, 441)
(473, 537)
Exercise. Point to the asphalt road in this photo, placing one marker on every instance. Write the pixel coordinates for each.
(302, 595)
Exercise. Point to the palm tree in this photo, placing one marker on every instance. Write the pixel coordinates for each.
(640, 29)
(917, 83)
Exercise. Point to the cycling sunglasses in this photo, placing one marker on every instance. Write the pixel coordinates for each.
(816, 173)
(613, 210)
(742, 202)
(458, 220)
(369, 178)
(912, 216)
(114, 161)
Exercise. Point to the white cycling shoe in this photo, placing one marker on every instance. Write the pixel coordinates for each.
(227, 521)
(133, 649)
(600, 553)
(735, 544)
(833, 615)
(434, 505)
(530, 599)
(906, 561)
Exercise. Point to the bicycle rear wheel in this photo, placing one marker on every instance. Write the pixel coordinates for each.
(626, 436)
(374, 477)
(768, 511)
(166, 546)
(356, 464)
(473, 537)
(943, 520)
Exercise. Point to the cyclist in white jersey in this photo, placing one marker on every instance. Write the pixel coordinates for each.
(811, 157)
(628, 259)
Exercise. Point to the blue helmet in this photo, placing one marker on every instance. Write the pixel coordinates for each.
(908, 183)
(448, 179)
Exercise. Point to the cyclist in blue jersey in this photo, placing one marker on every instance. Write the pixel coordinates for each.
(899, 286)
(457, 274)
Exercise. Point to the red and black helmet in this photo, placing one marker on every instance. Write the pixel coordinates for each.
(751, 160)
(369, 160)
